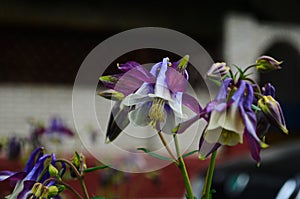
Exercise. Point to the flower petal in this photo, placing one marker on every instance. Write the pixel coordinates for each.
(35, 155)
(118, 121)
(175, 81)
(128, 66)
(13, 176)
(205, 148)
(186, 124)
(139, 116)
(133, 79)
(190, 102)
(170, 121)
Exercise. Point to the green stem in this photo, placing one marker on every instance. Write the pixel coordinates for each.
(83, 186)
(251, 66)
(182, 167)
(78, 175)
(209, 176)
(65, 184)
(163, 140)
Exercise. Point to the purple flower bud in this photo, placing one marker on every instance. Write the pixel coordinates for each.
(218, 70)
(272, 110)
(266, 64)
(268, 89)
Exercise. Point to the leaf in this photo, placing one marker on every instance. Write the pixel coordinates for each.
(155, 155)
(95, 168)
(189, 153)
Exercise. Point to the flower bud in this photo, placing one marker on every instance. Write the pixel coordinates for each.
(272, 110)
(112, 95)
(110, 81)
(268, 89)
(53, 191)
(52, 170)
(78, 161)
(266, 64)
(218, 70)
(183, 63)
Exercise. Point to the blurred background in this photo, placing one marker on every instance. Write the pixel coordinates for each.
(43, 44)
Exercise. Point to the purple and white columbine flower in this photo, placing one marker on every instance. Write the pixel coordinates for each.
(34, 173)
(231, 117)
(157, 101)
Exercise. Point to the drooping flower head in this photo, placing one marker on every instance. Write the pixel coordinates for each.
(152, 97)
(31, 181)
(240, 110)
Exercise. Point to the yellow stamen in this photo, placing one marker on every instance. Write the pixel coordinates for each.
(156, 112)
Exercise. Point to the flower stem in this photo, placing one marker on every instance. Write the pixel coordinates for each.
(209, 176)
(78, 175)
(163, 140)
(66, 185)
(182, 167)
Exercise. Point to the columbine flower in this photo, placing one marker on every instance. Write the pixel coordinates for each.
(266, 64)
(34, 173)
(218, 70)
(157, 101)
(230, 118)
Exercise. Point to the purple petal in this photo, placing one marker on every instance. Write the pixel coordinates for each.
(35, 155)
(133, 79)
(205, 148)
(13, 176)
(128, 66)
(254, 147)
(223, 89)
(190, 102)
(28, 184)
(186, 124)
(38, 168)
(175, 81)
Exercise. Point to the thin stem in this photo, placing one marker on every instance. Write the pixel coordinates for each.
(183, 170)
(71, 166)
(163, 140)
(78, 175)
(83, 186)
(209, 176)
(251, 66)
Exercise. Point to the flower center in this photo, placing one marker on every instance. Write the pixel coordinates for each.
(229, 138)
(156, 112)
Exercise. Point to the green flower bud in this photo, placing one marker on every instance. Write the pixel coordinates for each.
(272, 110)
(183, 63)
(78, 161)
(112, 95)
(52, 170)
(266, 64)
(53, 191)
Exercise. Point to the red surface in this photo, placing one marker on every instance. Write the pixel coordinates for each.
(169, 184)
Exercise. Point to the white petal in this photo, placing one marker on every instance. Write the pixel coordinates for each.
(170, 122)
(134, 99)
(139, 116)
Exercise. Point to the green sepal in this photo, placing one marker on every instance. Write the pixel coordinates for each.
(98, 197)
(155, 155)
